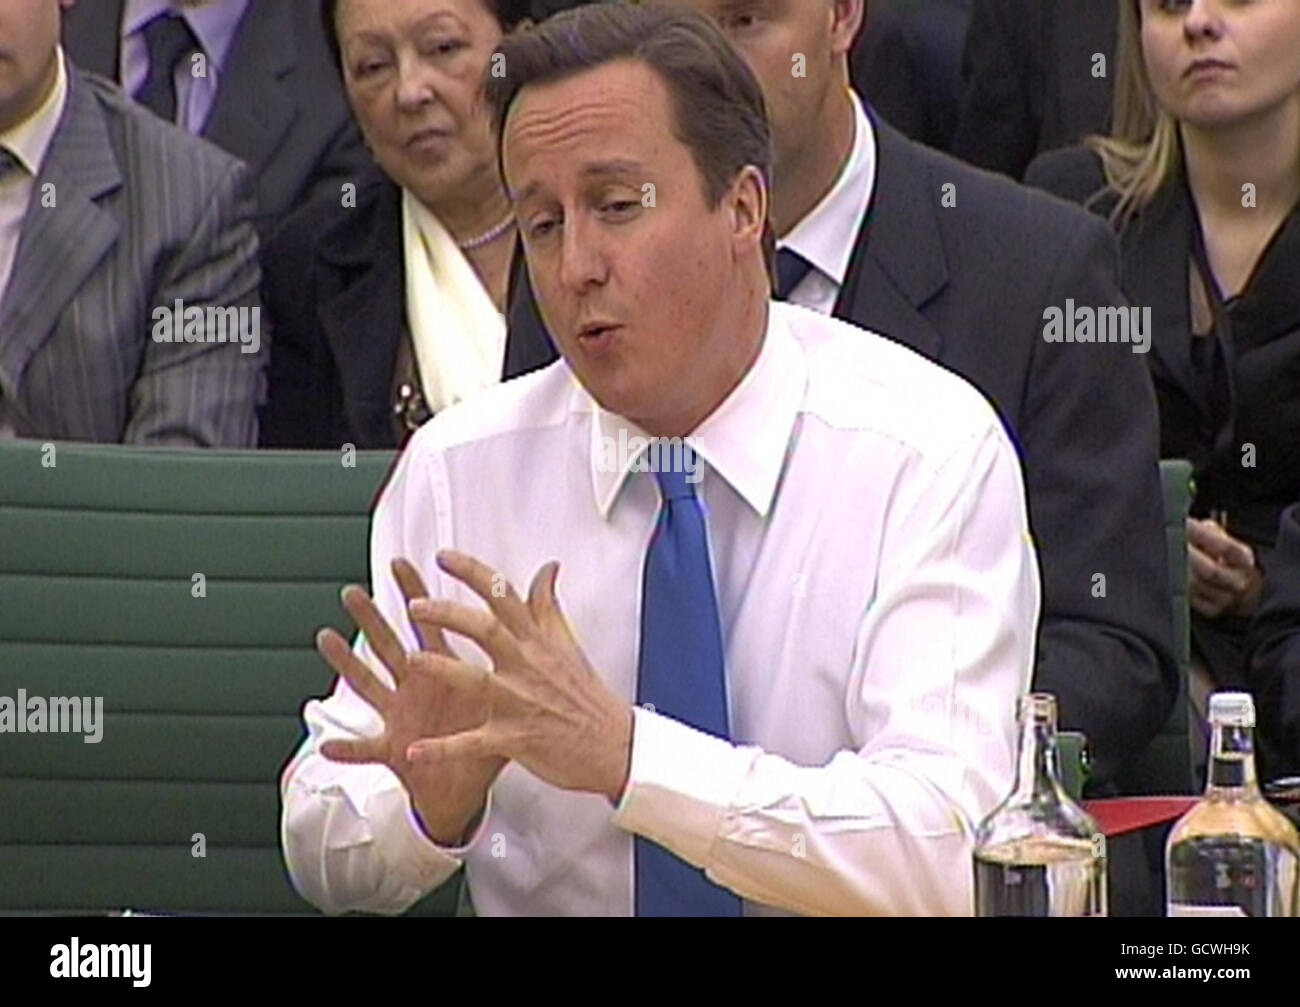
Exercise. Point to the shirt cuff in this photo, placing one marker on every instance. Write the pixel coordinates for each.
(408, 849)
(682, 785)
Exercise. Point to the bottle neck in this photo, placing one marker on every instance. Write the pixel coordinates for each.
(1037, 768)
(1231, 770)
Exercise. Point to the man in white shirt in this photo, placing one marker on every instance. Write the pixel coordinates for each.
(874, 591)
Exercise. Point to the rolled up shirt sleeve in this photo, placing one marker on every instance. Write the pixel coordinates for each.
(944, 647)
(350, 838)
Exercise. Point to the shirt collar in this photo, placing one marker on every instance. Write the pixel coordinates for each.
(213, 23)
(30, 139)
(744, 440)
(826, 235)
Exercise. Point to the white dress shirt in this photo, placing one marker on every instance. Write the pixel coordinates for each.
(878, 596)
(27, 142)
(825, 237)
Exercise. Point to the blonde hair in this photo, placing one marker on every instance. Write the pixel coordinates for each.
(1143, 150)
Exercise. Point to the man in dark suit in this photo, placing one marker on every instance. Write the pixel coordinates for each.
(1275, 655)
(1033, 80)
(961, 266)
(128, 262)
(269, 94)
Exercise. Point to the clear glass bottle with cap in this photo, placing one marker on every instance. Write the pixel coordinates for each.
(1233, 854)
(1038, 853)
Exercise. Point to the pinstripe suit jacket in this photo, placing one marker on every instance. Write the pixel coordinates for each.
(130, 215)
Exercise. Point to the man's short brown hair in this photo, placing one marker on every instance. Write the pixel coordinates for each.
(717, 103)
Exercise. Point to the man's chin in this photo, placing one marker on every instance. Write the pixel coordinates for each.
(612, 398)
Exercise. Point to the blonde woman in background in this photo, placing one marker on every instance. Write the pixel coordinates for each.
(1201, 180)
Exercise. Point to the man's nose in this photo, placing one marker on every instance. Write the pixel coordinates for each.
(582, 258)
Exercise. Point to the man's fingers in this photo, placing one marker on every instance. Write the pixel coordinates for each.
(468, 745)
(412, 587)
(484, 628)
(496, 591)
(354, 750)
(383, 641)
(542, 602)
(461, 676)
(340, 657)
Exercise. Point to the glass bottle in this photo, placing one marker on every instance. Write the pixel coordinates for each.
(1038, 853)
(1232, 854)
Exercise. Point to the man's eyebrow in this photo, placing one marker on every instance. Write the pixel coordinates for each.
(596, 169)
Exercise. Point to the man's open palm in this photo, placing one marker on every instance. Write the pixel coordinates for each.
(447, 793)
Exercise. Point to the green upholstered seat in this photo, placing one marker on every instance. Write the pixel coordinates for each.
(202, 679)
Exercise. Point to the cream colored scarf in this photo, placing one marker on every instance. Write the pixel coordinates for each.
(458, 336)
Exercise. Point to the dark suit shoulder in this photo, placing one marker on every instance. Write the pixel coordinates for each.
(325, 227)
(1073, 173)
(991, 204)
(326, 211)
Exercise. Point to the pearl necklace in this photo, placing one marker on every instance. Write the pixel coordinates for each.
(488, 237)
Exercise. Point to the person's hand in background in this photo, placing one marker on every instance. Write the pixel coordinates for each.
(447, 795)
(1224, 577)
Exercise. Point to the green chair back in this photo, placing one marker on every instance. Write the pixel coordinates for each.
(185, 589)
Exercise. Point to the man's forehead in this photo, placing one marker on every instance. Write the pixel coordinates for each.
(620, 92)
(614, 114)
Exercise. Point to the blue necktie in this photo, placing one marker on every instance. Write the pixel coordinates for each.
(791, 268)
(681, 672)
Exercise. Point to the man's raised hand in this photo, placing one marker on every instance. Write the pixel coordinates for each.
(446, 793)
(545, 705)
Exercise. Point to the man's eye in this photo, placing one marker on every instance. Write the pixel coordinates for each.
(621, 205)
(368, 68)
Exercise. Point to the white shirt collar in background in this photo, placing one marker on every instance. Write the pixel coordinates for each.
(825, 237)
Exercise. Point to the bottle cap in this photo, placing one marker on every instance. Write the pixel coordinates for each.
(1235, 709)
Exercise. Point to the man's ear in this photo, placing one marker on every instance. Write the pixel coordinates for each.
(749, 208)
(849, 16)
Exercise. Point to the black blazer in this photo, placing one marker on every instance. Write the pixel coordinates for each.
(1264, 404)
(1029, 84)
(1275, 662)
(967, 287)
(280, 109)
(906, 61)
(334, 289)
